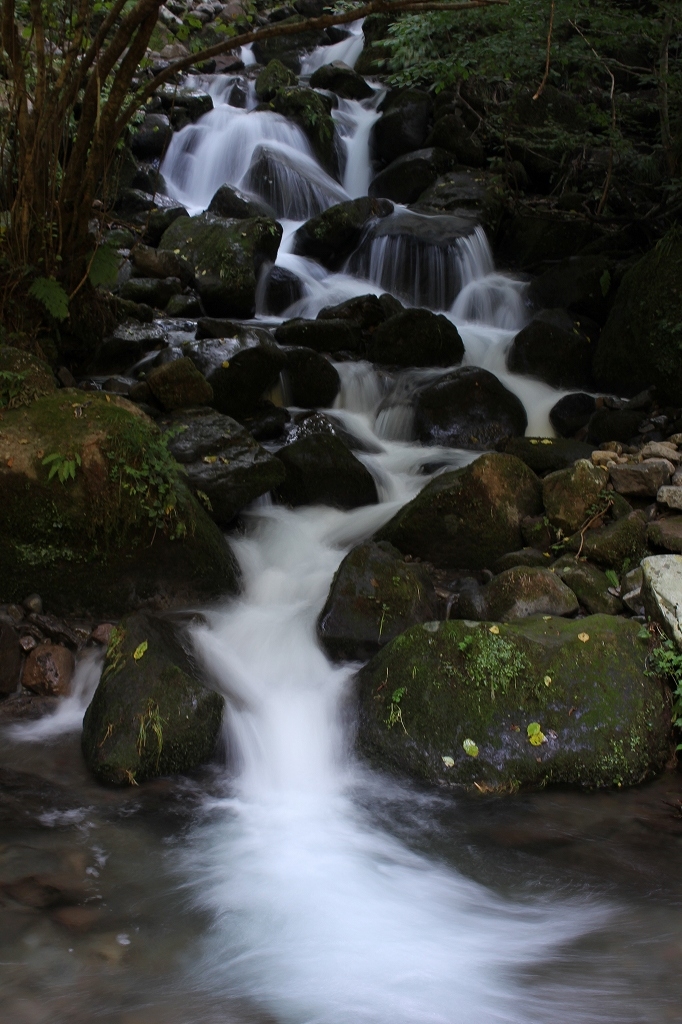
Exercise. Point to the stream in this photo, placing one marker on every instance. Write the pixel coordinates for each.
(288, 883)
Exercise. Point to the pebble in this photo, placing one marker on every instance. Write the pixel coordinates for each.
(670, 496)
(33, 603)
(48, 670)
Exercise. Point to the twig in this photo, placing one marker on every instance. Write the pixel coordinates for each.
(543, 83)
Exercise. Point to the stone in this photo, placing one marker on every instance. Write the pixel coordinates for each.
(619, 545)
(160, 263)
(153, 291)
(467, 408)
(661, 450)
(613, 425)
(583, 284)
(151, 714)
(288, 48)
(127, 343)
(48, 670)
(152, 213)
(524, 557)
(240, 367)
(589, 584)
(407, 177)
(547, 454)
(529, 703)
(375, 595)
(311, 380)
(321, 335)
(272, 78)
(332, 235)
(233, 204)
(450, 134)
(149, 141)
(569, 493)
(670, 496)
(470, 517)
(223, 462)
(343, 80)
(571, 413)
(184, 307)
(91, 544)
(553, 348)
(283, 181)
(192, 102)
(308, 110)
(465, 191)
(643, 479)
(665, 534)
(101, 634)
(519, 592)
(33, 604)
(179, 385)
(662, 593)
(403, 126)
(282, 288)
(320, 470)
(416, 337)
(367, 311)
(225, 257)
(10, 659)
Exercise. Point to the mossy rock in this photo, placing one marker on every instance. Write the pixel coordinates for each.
(620, 545)
(547, 454)
(225, 257)
(307, 109)
(23, 378)
(458, 703)
(179, 385)
(589, 584)
(332, 236)
(640, 343)
(275, 76)
(375, 595)
(468, 518)
(569, 494)
(519, 592)
(120, 531)
(150, 715)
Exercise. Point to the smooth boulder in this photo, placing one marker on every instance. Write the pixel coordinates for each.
(416, 337)
(468, 408)
(321, 470)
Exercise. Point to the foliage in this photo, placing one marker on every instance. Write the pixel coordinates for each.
(62, 466)
(52, 296)
(492, 662)
(665, 660)
(11, 389)
(152, 482)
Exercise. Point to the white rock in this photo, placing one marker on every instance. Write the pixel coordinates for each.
(643, 478)
(661, 450)
(670, 496)
(662, 593)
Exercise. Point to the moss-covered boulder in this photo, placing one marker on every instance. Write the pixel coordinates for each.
(519, 592)
(331, 236)
(107, 523)
(640, 342)
(375, 595)
(547, 454)
(151, 714)
(620, 545)
(179, 385)
(308, 110)
(468, 518)
(589, 584)
(225, 257)
(501, 706)
(275, 76)
(569, 494)
(23, 378)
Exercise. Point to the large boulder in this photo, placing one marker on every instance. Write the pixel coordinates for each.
(233, 204)
(468, 408)
(281, 288)
(472, 192)
(275, 76)
(408, 176)
(640, 342)
(662, 593)
(114, 527)
(554, 348)
(151, 714)
(223, 463)
(620, 545)
(416, 337)
(527, 704)
(343, 80)
(285, 182)
(321, 470)
(403, 125)
(517, 593)
(572, 413)
(225, 257)
(307, 109)
(150, 139)
(288, 48)
(332, 236)
(569, 494)
(375, 595)
(468, 518)
(321, 335)
(311, 381)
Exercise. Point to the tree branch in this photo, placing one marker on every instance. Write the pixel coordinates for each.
(543, 83)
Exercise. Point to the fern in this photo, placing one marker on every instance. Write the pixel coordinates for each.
(104, 266)
(52, 296)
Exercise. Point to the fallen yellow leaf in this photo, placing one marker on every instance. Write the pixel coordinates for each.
(584, 637)
(494, 629)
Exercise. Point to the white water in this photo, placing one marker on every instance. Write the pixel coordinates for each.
(68, 715)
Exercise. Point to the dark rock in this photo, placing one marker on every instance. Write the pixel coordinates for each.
(10, 659)
(553, 348)
(161, 263)
(240, 370)
(461, 700)
(332, 236)
(151, 138)
(525, 557)
(127, 344)
(272, 78)
(288, 48)
(468, 408)
(55, 629)
(665, 534)
(282, 288)
(150, 715)
(519, 592)
(233, 204)
(568, 494)
(545, 454)
(531, 241)
(322, 471)
(571, 413)
(184, 307)
(403, 126)
(192, 102)
(407, 177)
(468, 518)
(153, 213)
(339, 78)
(589, 584)
(321, 335)
(151, 290)
(582, 284)
(148, 178)
(48, 670)
(642, 479)
(450, 134)
(23, 378)
(284, 183)
(620, 545)
(222, 461)
(367, 311)
(179, 385)
(613, 425)
(307, 109)
(466, 192)
(416, 337)
(311, 380)
(375, 595)
(267, 422)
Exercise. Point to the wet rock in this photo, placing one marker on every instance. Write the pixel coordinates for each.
(92, 544)
(416, 337)
(666, 534)
(519, 592)
(464, 701)
(553, 348)
(619, 545)
(193, 103)
(340, 78)
(151, 138)
(367, 311)
(632, 353)
(153, 213)
(222, 461)
(589, 584)
(403, 126)
(468, 518)
(466, 192)
(241, 366)
(10, 659)
(283, 182)
(151, 714)
(225, 257)
(282, 289)
(569, 493)
(375, 595)
(272, 78)
(321, 335)
(179, 385)
(184, 307)
(127, 344)
(36, 891)
(233, 204)
(641, 478)
(48, 670)
(267, 422)
(450, 134)
(531, 241)
(468, 408)
(613, 425)
(538, 532)
(547, 454)
(288, 48)
(407, 177)
(571, 413)
(151, 290)
(102, 634)
(311, 380)
(307, 109)
(56, 630)
(331, 236)
(160, 263)
(320, 470)
(524, 557)
(23, 378)
(662, 593)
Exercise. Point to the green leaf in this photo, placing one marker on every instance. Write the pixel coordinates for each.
(104, 266)
(470, 748)
(140, 650)
(52, 296)
(533, 729)
(50, 458)
(612, 577)
(605, 283)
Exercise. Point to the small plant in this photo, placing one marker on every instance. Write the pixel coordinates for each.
(11, 387)
(151, 721)
(612, 577)
(666, 660)
(395, 714)
(62, 466)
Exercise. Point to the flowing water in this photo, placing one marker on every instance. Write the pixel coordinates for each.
(289, 884)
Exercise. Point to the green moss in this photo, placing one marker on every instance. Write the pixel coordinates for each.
(23, 378)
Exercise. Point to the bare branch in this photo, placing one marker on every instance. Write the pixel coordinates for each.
(543, 83)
